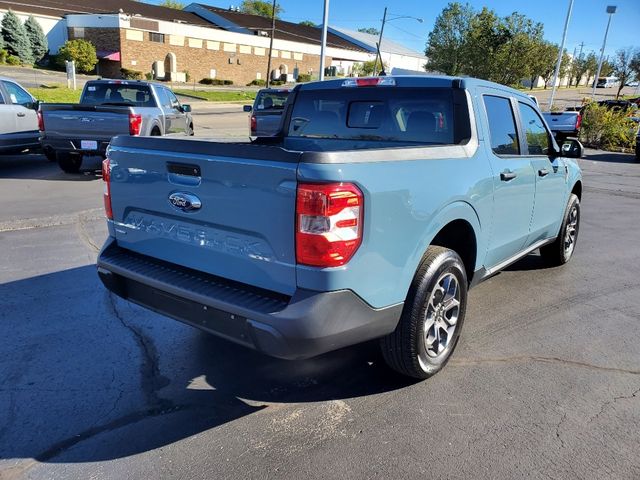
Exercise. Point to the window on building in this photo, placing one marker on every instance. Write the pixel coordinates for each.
(156, 37)
(502, 126)
(535, 134)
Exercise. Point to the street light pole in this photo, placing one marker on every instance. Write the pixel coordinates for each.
(611, 9)
(273, 32)
(560, 54)
(323, 46)
(379, 49)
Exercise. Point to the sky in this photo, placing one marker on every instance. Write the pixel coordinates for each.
(588, 19)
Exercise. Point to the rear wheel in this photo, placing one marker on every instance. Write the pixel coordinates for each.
(433, 314)
(155, 132)
(190, 131)
(69, 162)
(561, 250)
(50, 153)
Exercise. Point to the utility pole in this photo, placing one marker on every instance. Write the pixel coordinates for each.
(610, 10)
(581, 45)
(560, 53)
(273, 32)
(379, 52)
(323, 46)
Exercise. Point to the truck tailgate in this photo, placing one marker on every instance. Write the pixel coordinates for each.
(86, 122)
(244, 228)
(561, 121)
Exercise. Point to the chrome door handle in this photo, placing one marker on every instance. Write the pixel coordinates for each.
(543, 172)
(507, 175)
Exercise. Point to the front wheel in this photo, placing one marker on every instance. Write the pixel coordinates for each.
(561, 250)
(433, 314)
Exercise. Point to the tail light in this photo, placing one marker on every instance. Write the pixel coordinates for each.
(578, 121)
(253, 123)
(328, 223)
(106, 177)
(135, 123)
(40, 121)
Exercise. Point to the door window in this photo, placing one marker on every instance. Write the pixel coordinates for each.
(173, 99)
(18, 95)
(163, 98)
(536, 135)
(502, 126)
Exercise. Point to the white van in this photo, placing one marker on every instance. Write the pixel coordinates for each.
(608, 82)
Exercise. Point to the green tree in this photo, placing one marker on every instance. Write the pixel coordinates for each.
(515, 57)
(172, 4)
(39, 44)
(260, 7)
(308, 23)
(366, 68)
(80, 51)
(486, 37)
(15, 37)
(623, 66)
(370, 30)
(446, 42)
(584, 65)
(543, 62)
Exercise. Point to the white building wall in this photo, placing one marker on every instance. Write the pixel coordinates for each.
(54, 28)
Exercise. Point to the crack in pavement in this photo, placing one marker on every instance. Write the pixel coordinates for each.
(541, 359)
(151, 381)
(562, 420)
(613, 401)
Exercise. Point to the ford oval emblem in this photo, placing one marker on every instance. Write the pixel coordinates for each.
(186, 202)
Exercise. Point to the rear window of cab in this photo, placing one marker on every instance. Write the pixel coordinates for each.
(402, 115)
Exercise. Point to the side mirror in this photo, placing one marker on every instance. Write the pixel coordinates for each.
(247, 108)
(572, 148)
(186, 108)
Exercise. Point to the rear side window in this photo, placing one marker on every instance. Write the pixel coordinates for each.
(118, 94)
(536, 135)
(271, 100)
(502, 126)
(17, 95)
(407, 116)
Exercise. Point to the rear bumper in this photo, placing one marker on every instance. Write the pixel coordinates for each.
(73, 145)
(304, 325)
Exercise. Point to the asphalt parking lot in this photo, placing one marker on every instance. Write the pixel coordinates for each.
(545, 382)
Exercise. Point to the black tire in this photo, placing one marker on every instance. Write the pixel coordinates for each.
(190, 131)
(50, 153)
(155, 132)
(560, 251)
(69, 163)
(406, 350)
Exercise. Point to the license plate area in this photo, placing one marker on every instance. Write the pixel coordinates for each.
(88, 144)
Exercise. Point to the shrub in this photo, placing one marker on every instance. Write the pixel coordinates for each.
(131, 74)
(303, 77)
(277, 82)
(148, 76)
(258, 82)
(187, 76)
(13, 60)
(3, 56)
(80, 51)
(215, 81)
(605, 128)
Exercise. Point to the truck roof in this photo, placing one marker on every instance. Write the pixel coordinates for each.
(434, 81)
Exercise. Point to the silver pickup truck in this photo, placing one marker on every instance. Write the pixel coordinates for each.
(108, 108)
(266, 112)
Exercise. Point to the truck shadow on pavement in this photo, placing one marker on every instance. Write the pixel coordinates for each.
(35, 166)
(89, 377)
(609, 157)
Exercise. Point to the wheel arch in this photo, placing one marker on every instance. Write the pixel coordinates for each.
(577, 189)
(456, 226)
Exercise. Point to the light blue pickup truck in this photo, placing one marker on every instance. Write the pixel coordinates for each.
(369, 216)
